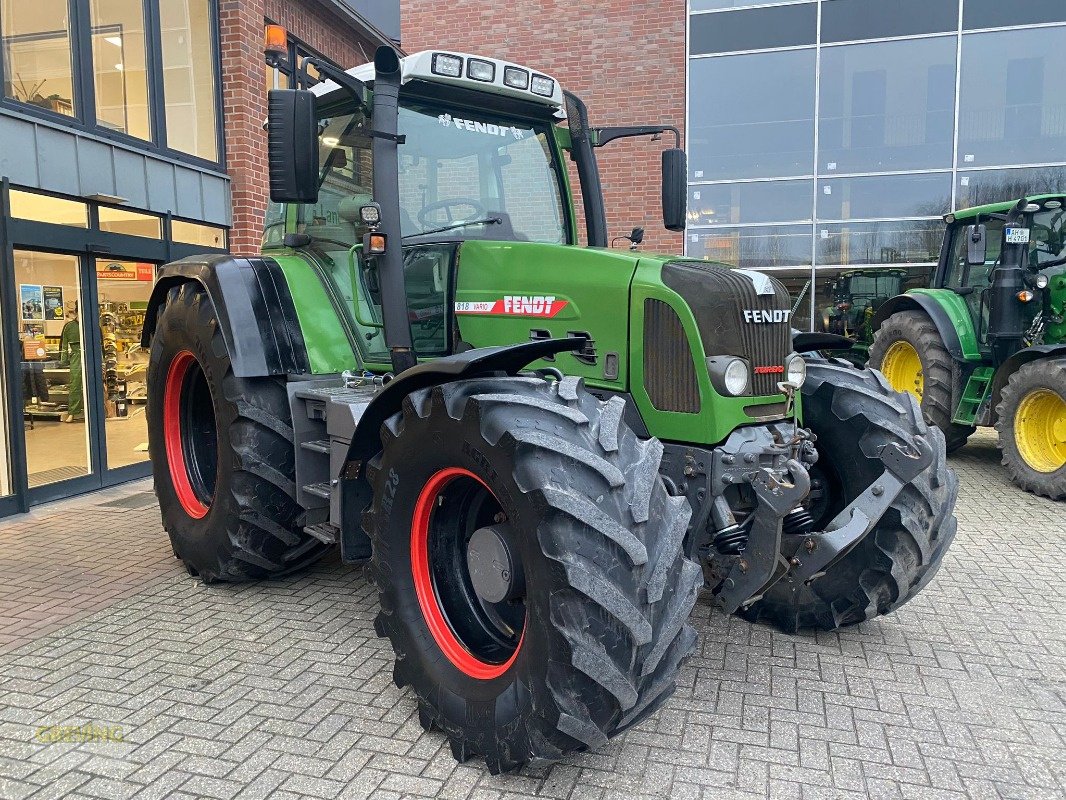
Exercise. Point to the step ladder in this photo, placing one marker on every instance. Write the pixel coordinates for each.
(972, 396)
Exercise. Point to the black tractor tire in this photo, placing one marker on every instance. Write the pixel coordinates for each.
(1048, 377)
(855, 413)
(222, 452)
(942, 377)
(607, 591)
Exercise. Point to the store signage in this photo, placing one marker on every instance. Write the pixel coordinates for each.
(124, 271)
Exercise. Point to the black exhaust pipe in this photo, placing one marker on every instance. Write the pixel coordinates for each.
(1006, 319)
(384, 121)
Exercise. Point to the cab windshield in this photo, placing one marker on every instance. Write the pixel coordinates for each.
(462, 175)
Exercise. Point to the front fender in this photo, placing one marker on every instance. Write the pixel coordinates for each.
(355, 490)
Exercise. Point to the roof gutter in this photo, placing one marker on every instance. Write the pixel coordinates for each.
(377, 37)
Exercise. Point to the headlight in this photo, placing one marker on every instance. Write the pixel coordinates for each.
(448, 65)
(1040, 281)
(516, 78)
(795, 369)
(481, 70)
(542, 85)
(729, 375)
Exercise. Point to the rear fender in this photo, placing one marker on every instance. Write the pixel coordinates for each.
(356, 492)
(949, 313)
(255, 311)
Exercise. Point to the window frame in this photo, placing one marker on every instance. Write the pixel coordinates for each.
(84, 119)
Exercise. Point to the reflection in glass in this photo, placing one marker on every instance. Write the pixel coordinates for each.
(978, 187)
(847, 299)
(120, 70)
(758, 246)
(997, 14)
(762, 201)
(887, 106)
(798, 282)
(1011, 103)
(732, 137)
(754, 29)
(53, 366)
(906, 242)
(189, 76)
(882, 196)
(123, 296)
(715, 5)
(37, 56)
(844, 20)
(45, 208)
(117, 220)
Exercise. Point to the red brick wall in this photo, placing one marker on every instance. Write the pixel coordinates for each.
(624, 58)
(244, 93)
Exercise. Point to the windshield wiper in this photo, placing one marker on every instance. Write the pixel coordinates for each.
(453, 226)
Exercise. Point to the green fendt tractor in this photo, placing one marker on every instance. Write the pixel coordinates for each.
(544, 451)
(855, 296)
(986, 344)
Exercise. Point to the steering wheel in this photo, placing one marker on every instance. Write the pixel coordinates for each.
(447, 205)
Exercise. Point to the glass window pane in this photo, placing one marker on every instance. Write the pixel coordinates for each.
(884, 196)
(1010, 101)
(189, 76)
(978, 187)
(120, 69)
(848, 298)
(44, 208)
(997, 14)
(117, 220)
(715, 5)
(53, 369)
(758, 246)
(764, 201)
(123, 289)
(753, 29)
(887, 106)
(195, 233)
(906, 242)
(730, 136)
(844, 20)
(37, 61)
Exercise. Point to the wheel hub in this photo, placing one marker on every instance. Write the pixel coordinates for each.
(495, 570)
(902, 366)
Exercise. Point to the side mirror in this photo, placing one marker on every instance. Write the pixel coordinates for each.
(636, 236)
(675, 189)
(976, 245)
(292, 146)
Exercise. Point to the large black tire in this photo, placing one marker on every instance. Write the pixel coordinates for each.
(1046, 378)
(854, 414)
(942, 377)
(608, 590)
(222, 452)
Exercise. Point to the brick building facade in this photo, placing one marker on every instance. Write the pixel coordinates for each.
(244, 90)
(626, 60)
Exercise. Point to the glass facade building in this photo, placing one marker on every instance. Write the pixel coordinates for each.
(830, 136)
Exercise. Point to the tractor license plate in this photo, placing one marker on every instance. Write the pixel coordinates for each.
(1017, 236)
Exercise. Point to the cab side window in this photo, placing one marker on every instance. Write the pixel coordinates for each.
(976, 275)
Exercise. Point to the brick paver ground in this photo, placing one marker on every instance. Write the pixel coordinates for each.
(281, 689)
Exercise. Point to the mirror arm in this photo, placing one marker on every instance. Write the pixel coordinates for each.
(355, 87)
(605, 135)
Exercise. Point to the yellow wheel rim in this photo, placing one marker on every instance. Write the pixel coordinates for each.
(1040, 430)
(903, 368)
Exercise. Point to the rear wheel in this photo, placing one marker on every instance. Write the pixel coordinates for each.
(854, 414)
(908, 349)
(1032, 427)
(222, 452)
(530, 567)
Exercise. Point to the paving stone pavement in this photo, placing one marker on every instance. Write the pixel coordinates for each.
(281, 689)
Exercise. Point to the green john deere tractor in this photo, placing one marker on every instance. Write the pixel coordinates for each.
(986, 344)
(543, 451)
(856, 295)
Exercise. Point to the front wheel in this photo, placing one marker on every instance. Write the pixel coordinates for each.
(1032, 427)
(529, 565)
(855, 414)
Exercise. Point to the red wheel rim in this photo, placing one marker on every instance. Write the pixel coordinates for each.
(449, 644)
(172, 439)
